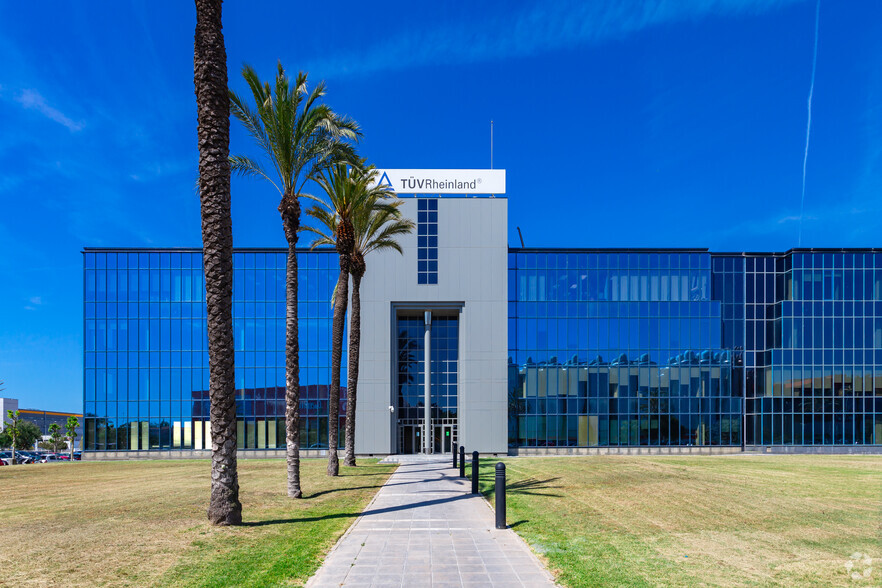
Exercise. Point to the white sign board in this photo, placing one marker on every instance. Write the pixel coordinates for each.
(444, 181)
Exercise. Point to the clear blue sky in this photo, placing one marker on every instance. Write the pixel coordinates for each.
(621, 124)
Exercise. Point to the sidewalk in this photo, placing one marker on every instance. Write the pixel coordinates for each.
(424, 528)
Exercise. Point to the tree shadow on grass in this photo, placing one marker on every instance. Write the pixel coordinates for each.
(400, 471)
(528, 485)
(531, 486)
(345, 471)
(443, 475)
(369, 512)
(344, 489)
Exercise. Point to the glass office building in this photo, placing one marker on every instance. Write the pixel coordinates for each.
(619, 349)
(813, 347)
(529, 350)
(146, 349)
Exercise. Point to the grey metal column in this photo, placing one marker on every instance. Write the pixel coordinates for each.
(427, 375)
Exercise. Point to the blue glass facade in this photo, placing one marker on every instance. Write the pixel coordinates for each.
(410, 391)
(444, 355)
(813, 348)
(607, 348)
(427, 241)
(618, 349)
(146, 358)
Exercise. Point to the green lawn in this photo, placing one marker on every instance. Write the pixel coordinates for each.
(703, 520)
(144, 523)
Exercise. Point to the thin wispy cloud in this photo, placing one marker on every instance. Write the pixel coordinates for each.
(808, 126)
(546, 27)
(835, 224)
(33, 100)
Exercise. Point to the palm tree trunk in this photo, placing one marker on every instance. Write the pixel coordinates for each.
(213, 106)
(290, 211)
(341, 297)
(352, 368)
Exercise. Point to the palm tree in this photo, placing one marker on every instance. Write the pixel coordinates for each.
(349, 192)
(300, 137)
(375, 229)
(213, 107)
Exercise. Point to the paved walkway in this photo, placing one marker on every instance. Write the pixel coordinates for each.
(424, 528)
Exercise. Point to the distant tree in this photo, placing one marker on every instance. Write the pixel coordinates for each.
(56, 436)
(18, 434)
(28, 434)
(45, 445)
(71, 430)
(10, 433)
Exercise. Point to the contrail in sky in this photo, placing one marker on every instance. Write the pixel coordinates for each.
(808, 127)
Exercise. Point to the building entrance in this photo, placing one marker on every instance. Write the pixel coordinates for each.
(410, 439)
(443, 438)
(433, 384)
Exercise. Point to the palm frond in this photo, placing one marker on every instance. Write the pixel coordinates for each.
(386, 234)
(315, 199)
(380, 244)
(299, 134)
(327, 218)
(250, 120)
(378, 221)
(320, 239)
(245, 166)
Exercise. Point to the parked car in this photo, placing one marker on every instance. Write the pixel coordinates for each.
(20, 456)
(64, 457)
(78, 456)
(3, 462)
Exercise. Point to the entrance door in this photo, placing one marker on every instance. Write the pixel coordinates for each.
(406, 440)
(427, 350)
(410, 439)
(443, 438)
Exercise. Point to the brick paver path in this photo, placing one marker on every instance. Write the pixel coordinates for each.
(424, 528)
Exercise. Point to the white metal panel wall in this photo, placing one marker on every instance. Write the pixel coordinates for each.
(472, 270)
(5, 405)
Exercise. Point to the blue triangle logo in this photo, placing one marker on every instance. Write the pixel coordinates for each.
(384, 178)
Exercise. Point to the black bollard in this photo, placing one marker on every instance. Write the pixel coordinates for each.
(454, 456)
(474, 472)
(500, 495)
(461, 461)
